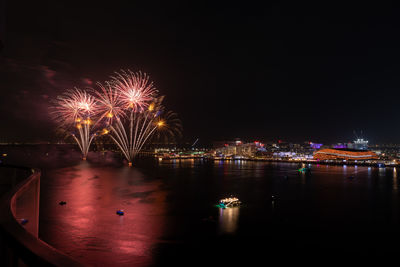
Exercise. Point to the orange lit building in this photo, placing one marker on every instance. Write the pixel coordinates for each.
(344, 154)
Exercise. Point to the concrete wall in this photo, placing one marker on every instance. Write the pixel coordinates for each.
(19, 244)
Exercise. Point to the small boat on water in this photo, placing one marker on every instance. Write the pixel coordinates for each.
(229, 202)
(305, 169)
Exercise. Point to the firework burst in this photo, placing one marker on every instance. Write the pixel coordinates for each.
(169, 127)
(110, 105)
(73, 111)
(136, 90)
(73, 105)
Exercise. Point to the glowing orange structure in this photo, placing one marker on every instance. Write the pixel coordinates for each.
(344, 154)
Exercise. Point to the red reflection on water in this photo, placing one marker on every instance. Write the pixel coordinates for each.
(88, 228)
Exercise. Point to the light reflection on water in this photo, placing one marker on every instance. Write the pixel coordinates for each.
(382, 172)
(88, 228)
(228, 220)
(170, 201)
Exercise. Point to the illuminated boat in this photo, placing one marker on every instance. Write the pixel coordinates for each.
(304, 169)
(229, 202)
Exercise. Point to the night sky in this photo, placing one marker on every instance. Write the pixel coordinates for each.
(256, 70)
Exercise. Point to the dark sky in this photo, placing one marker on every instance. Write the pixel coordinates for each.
(257, 70)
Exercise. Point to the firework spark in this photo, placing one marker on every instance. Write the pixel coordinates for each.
(110, 105)
(73, 105)
(73, 111)
(136, 90)
(170, 127)
(131, 134)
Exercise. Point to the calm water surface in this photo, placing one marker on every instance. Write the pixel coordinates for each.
(170, 214)
(170, 218)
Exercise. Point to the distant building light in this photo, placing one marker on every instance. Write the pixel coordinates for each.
(315, 146)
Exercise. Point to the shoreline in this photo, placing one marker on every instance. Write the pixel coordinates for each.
(337, 163)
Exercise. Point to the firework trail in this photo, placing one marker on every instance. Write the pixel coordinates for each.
(132, 132)
(130, 139)
(73, 111)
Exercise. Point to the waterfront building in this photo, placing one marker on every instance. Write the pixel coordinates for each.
(340, 145)
(238, 148)
(315, 145)
(359, 144)
(219, 144)
(344, 154)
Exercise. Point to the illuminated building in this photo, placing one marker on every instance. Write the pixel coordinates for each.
(219, 144)
(315, 145)
(360, 144)
(344, 154)
(238, 148)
